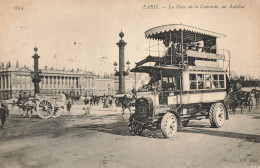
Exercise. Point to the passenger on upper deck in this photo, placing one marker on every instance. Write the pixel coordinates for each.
(199, 47)
(169, 47)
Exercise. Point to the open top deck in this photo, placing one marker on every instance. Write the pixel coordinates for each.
(184, 46)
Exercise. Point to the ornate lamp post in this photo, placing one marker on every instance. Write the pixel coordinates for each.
(36, 74)
(121, 73)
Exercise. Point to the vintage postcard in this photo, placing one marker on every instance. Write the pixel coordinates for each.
(129, 83)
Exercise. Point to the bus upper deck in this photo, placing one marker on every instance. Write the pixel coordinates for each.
(179, 45)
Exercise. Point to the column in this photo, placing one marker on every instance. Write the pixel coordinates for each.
(21, 84)
(58, 82)
(17, 82)
(1, 77)
(62, 82)
(67, 82)
(9, 81)
(90, 83)
(47, 82)
(93, 82)
(5, 82)
(72, 82)
(43, 82)
(25, 83)
(64, 86)
(50, 79)
(0, 82)
(53, 82)
(75, 82)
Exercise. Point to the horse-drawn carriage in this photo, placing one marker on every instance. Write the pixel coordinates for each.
(46, 105)
(120, 98)
(240, 99)
(256, 94)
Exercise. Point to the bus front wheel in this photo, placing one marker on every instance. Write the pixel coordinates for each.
(169, 125)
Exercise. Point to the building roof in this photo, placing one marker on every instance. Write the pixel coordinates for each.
(46, 71)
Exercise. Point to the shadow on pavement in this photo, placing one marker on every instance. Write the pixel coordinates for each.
(246, 137)
(120, 128)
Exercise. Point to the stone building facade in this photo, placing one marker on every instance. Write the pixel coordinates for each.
(17, 82)
(105, 86)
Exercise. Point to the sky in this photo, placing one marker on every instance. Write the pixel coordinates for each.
(83, 33)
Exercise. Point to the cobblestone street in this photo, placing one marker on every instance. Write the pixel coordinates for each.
(103, 140)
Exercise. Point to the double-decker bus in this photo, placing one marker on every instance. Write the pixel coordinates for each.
(188, 80)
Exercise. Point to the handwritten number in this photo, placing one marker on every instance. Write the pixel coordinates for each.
(18, 7)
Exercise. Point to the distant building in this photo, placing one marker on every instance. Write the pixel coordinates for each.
(109, 84)
(17, 82)
(105, 86)
(133, 81)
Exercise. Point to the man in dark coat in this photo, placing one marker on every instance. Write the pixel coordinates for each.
(126, 104)
(4, 112)
(68, 107)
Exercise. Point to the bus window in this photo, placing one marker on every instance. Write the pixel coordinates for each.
(193, 82)
(165, 79)
(170, 79)
(208, 82)
(215, 81)
(221, 81)
(200, 78)
(192, 77)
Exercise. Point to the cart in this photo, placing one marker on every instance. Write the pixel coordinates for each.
(46, 105)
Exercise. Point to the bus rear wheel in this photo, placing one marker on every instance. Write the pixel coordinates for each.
(217, 115)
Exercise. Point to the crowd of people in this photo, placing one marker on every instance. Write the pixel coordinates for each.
(94, 101)
(107, 101)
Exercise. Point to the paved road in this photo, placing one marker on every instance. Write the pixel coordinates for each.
(103, 140)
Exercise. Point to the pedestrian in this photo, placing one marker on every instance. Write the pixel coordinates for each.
(98, 100)
(110, 101)
(94, 99)
(126, 104)
(4, 112)
(105, 102)
(68, 107)
(91, 101)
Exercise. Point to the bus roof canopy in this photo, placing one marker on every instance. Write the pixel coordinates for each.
(189, 33)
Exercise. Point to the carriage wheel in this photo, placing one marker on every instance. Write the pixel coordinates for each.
(135, 127)
(217, 115)
(57, 112)
(250, 104)
(169, 125)
(243, 107)
(45, 108)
